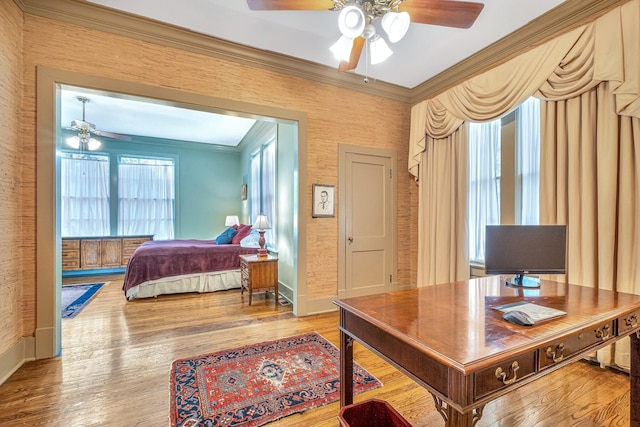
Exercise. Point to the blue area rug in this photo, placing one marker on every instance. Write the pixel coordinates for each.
(77, 297)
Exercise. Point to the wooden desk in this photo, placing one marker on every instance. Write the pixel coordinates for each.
(449, 339)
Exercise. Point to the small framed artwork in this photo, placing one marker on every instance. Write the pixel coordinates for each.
(324, 197)
(243, 192)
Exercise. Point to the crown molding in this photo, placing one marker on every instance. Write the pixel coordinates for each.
(565, 17)
(568, 15)
(89, 15)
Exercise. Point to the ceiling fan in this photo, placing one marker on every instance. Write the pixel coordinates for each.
(357, 16)
(85, 129)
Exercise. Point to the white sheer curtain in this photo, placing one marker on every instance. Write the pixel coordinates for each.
(269, 188)
(254, 188)
(84, 194)
(146, 197)
(484, 183)
(528, 148)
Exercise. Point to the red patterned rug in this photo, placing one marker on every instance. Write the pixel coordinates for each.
(257, 384)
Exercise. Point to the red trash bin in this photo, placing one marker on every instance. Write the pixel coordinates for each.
(371, 413)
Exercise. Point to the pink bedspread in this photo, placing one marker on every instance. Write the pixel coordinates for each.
(163, 258)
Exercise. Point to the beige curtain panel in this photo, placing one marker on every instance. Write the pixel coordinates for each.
(607, 49)
(589, 83)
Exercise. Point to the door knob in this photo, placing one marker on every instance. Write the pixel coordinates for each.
(350, 239)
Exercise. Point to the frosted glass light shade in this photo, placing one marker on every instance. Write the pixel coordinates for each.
(342, 48)
(396, 25)
(93, 144)
(351, 21)
(73, 142)
(231, 220)
(379, 50)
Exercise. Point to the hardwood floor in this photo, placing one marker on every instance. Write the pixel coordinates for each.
(116, 357)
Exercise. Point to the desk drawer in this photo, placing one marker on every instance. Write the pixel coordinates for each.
(629, 322)
(503, 374)
(557, 351)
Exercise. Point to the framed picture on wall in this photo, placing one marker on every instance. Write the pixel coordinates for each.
(324, 197)
(243, 192)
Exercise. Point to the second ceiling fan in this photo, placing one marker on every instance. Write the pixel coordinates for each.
(357, 16)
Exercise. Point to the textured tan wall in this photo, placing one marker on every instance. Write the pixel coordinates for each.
(334, 116)
(12, 296)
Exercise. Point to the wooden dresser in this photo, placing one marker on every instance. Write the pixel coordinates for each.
(89, 253)
(259, 273)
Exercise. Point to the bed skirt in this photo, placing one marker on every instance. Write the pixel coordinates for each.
(199, 282)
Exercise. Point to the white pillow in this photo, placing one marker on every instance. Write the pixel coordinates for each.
(251, 241)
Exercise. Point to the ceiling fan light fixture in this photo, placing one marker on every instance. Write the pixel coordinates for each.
(73, 142)
(379, 50)
(342, 48)
(351, 21)
(93, 144)
(396, 25)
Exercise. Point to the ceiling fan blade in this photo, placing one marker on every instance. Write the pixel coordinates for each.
(354, 56)
(458, 14)
(291, 4)
(112, 135)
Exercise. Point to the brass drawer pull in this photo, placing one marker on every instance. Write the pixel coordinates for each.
(557, 355)
(502, 376)
(631, 321)
(603, 333)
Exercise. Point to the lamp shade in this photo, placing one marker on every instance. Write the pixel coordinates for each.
(231, 220)
(351, 21)
(261, 223)
(379, 49)
(396, 25)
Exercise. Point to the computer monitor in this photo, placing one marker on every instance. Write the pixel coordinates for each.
(525, 249)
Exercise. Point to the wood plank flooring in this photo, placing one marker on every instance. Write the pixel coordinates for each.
(116, 358)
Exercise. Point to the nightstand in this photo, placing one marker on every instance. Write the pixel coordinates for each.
(258, 273)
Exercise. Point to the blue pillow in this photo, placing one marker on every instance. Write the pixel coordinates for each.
(226, 236)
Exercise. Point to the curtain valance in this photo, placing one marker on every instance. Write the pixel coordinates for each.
(607, 49)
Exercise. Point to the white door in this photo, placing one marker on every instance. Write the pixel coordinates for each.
(368, 235)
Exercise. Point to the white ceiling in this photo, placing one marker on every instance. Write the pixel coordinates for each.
(145, 117)
(425, 52)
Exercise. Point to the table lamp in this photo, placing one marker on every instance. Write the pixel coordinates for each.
(261, 224)
(231, 220)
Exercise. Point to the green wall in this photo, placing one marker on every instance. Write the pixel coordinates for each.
(208, 181)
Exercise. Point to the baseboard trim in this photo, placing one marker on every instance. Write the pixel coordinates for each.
(16, 356)
(98, 272)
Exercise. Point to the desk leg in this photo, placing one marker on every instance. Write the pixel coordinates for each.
(346, 369)
(634, 406)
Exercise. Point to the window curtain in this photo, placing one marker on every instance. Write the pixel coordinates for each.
(589, 82)
(269, 188)
(254, 189)
(484, 183)
(146, 194)
(84, 195)
(528, 165)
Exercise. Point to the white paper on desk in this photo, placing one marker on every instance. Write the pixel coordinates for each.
(535, 311)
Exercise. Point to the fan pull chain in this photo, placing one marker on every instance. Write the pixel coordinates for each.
(366, 61)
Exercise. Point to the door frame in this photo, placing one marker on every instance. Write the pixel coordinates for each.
(343, 150)
(47, 342)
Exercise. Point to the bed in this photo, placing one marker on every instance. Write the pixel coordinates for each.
(178, 266)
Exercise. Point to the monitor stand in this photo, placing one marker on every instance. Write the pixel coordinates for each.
(522, 281)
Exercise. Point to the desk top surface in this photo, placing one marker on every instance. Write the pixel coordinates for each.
(456, 324)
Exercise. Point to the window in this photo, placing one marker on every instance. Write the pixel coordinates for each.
(263, 185)
(84, 194)
(504, 173)
(146, 197)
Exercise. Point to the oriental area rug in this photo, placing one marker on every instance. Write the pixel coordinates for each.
(76, 297)
(257, 384)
